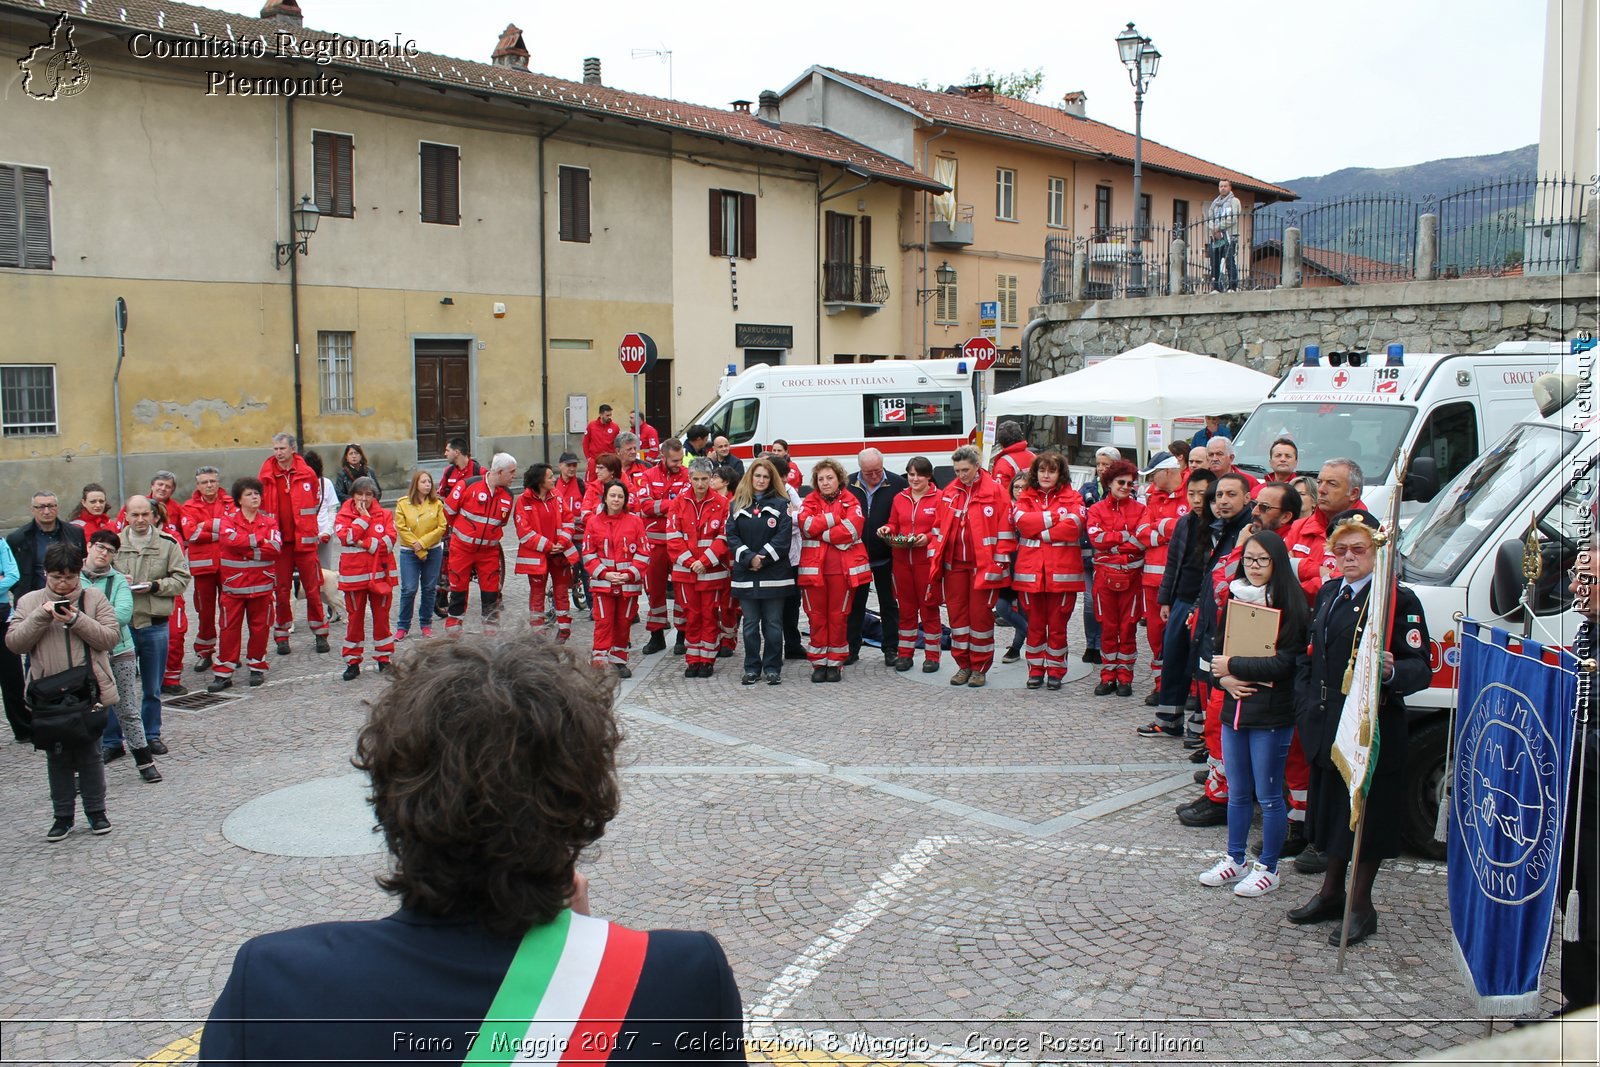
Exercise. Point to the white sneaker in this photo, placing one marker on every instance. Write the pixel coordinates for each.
(1224, 872)
(1258, 881)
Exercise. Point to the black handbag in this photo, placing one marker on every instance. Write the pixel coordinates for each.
(66, 707)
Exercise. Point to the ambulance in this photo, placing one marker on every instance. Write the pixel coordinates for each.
(1463, 554)
(903, 408)
(1442, 409)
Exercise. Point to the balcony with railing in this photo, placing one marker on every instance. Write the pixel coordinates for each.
(853, 285)
(954, 232)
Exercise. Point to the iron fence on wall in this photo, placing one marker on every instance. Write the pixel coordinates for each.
(1524, 224)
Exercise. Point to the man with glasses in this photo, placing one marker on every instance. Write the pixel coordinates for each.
(28, 544)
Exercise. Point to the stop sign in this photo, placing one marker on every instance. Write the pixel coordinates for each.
(981, 351)
(636, 353)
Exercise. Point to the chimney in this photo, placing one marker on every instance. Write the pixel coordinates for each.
(983, 91)
(510, 51)
(285, 11)
(591, 71)
(768, 104)
(741, 106)
(1076, 103)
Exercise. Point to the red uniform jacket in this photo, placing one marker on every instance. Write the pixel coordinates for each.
(1161, 514)
(250, 549)
(543, 533)
(1012, 461)
(477, 514)
(908, 517)
(696, 531)
(616, 543)
(93, 524)
(1113, 526)
(570, 490)
(293, 497)
(454, 476)
(598, 439)
(1048, 530)
(366, 545)
(654, 491)
(1307, 541)
(202, 530)
(793, 477)
(173, 526)
(649, 443)
(832, 526)
(968, 527)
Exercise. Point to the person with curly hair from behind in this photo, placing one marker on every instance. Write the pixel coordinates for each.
(493, 943)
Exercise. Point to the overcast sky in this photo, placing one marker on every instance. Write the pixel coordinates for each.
(1279, 91)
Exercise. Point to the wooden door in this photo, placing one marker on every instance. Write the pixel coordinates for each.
(658, 398)
(443, 396)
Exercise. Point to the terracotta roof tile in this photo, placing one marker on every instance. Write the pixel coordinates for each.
(796, 139)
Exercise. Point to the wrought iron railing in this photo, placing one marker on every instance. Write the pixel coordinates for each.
(854, 283)
(1511, 225)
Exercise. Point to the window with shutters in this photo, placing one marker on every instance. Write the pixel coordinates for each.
(25, 218)
(1005, 194)
(1055, 202)
(335, 190)
(441, 184)
(1006, 295)
(945, 306)
(336, 371)
(733, 224)
(572, 185)
(28, 400)
(1102, 212)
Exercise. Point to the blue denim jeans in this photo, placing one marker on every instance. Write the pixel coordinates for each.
(150, 647)
(414, 574)
(1254, 762)
(1177, 664)
(763, 634)
(1005, 610)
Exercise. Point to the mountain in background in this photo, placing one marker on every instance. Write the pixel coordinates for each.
(1439, 177)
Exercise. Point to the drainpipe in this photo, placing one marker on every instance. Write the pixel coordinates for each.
(294, 280)
(927, 225)
(1027, 337)
(544, 300)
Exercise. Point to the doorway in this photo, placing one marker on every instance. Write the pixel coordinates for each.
(443, 395)
(658, 397)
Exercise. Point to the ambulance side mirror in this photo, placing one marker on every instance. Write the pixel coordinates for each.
(1507, 583)
(1422, 479)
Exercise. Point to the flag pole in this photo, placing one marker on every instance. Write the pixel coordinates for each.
(1349, 876)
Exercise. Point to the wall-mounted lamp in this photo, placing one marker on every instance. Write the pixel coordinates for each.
(448, 301)
(304, 221)
(945, 274)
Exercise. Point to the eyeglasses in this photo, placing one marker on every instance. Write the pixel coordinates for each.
(45, 507)
(1340, 551)
(1267, 507)
(1256, 561)
(1125, 482)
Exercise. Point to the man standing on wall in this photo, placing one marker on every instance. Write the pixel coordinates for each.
(292, 494)
(1222, 227)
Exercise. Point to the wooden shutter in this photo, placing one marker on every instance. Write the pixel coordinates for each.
(866, 240)
(334, 189)
(747, 225)
(573, 185)
(10, 217)
(441, 184)
(718, 247)
(25, 218)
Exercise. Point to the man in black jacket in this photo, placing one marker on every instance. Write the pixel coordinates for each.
(875, 489)
(27, 545)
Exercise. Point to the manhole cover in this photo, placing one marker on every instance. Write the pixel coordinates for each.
(196, 701)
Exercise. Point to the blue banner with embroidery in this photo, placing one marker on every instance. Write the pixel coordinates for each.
(1511, 755)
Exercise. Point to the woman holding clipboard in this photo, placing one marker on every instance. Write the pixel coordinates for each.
(1262, 632)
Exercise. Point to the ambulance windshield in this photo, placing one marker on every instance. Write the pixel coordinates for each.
(1370, 434)
(1474, 505)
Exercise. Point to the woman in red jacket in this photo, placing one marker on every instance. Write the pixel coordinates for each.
(1047, 520)
(615, 554)
(833, 561)
(93, 512)
(250, 547)
(911, 523)
(1118, 565)
(698, 549)
(544, 546)
(368, 570)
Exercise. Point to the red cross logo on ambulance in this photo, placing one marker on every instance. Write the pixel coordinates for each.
(1340, 378)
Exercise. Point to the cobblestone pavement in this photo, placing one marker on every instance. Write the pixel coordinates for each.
(898, 871)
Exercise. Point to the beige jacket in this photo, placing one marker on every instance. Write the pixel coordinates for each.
(36, 633)
(161, 563)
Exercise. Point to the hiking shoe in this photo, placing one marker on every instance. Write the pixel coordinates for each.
(1258, 881)
(1203, 812)
(283, 648)
(1092, 655)
(1154, 699)
(352, 672)
(1011, 656)
(902, 664)
(961, 677)
(218, 685)
(623, 671)
(203, 665)
(681, 645)
(657, 643)
(819, 674)
(99, 824)
(1155, 729)
(978, 680)
(173, 691)
(322, 643)
(1105, 689)
(1311, 861)
(257, 678)
(1054, 682)
(1124, 690)
(59, 829)
(1035, 681)
(930, 666)
(1224, 871)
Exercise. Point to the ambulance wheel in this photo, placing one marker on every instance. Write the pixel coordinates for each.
(1425, 777)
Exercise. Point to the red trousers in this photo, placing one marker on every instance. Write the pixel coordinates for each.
(1297, 780)
(613, 619)
(303, 562)
(1118, 612)
(919, 605)
(1217, 777)
(206, 588)
(1048, 615)
(559, 576)
(177, 630)
(356, 602)
(655, 588)
(1154, 630)
(971, 609)
(828, 614)
(257, 610)
(700, 614)
(475, 561)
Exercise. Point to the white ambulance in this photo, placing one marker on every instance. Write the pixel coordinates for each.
(903, 408)
(1463, 555)
(1372, 407)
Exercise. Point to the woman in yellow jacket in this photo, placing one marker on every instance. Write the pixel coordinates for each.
(419, 524)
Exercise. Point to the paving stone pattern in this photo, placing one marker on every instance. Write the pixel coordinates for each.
(1053, 897)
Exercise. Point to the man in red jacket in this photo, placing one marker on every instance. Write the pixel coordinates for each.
(1164, 505)
(478, 509)
(656, 488)
(1014, 458)
(202, 536)
(649, 438)
(600, 437)
(966, 553)
(292, 494)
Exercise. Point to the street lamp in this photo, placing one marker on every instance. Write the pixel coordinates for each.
(1141, 59)
(303, 218)
(945, 274)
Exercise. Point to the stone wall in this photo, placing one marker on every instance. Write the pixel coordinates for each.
(1266, 329)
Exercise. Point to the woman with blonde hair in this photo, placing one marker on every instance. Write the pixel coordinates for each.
(420, 526)
(833, 561)
(758, 532)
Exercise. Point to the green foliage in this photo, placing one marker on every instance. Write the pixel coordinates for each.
(1021, 84)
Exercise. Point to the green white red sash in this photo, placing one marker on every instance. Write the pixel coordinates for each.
(565, 994)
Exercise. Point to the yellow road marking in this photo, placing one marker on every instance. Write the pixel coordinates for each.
(180, 1051)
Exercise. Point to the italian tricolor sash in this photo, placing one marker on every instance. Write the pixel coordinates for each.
(565, 994)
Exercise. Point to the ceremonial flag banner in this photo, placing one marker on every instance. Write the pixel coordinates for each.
(1512, 753)
(1355, 742)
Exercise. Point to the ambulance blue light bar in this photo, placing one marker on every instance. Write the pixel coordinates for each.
(1313, 356)
(733, 370)
(1397, 355)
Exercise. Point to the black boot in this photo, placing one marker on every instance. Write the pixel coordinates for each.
(657, 642)
(681, 645)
